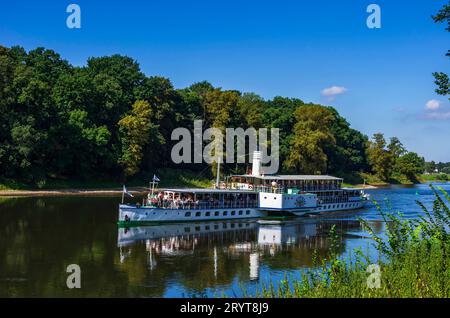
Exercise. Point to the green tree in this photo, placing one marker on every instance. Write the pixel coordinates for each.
(430, 167)
(410, 165)
(279, 113)
(312, 135)
(349, 152)
(221, 112)
(396, 150)
(441, 79)
(379, 157)
(251, 107)
(136, 130)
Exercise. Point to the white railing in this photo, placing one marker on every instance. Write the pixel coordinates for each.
(206, 205)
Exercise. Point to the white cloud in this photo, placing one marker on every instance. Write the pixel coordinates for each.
(433, 104)
(333, 91)
(438, 115)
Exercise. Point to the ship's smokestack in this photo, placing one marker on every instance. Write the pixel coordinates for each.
(256, 166)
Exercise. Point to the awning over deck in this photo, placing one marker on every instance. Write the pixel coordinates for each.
(290, 177)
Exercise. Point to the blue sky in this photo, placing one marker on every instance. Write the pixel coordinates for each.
(287, 48)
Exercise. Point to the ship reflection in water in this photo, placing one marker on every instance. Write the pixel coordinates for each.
(214, 253)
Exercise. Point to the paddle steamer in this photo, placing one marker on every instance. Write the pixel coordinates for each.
(246, 196)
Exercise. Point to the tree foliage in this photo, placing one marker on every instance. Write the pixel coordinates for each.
(108, 119)
(441, 79)
(312, 135)
(380, 158)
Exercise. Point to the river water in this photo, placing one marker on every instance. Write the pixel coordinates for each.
(41, 236)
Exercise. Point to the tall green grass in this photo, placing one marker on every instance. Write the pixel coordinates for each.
(413, 260)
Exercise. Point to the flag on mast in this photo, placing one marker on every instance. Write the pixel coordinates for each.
(128, 193)
(155, 178)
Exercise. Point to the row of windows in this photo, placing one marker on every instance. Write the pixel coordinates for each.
(339, 206)
(216, 227)
(217, 213)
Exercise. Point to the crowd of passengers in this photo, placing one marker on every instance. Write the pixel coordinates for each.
(188, 201)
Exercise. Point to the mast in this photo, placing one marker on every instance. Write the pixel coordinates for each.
(218, 173)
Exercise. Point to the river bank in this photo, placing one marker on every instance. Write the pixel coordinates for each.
(71, 192)
(106, 191)
(115, 191)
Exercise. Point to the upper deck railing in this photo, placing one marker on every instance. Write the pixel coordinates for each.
(281, 189)
(201, 205)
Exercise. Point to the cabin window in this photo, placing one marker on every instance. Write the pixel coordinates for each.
(216, 227)
(247, 212)
(233, 225)
(187, 229)
(206, 228)
(216, 213)
(225, 213)
(233, 212)
(187, 214)
(241, 212)
(198, 214)
(208, 214)
(197, 228)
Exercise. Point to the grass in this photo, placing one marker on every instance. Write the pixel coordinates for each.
(183, 178)
(414, 261)
(58, 184)
(356, 179)
(436, 177)
(168, 177)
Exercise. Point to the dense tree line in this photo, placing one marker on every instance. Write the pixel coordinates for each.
(439, 167)
(108, 119)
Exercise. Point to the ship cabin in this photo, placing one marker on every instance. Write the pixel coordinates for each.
(327, 188)
(281, 183)
(204, 199)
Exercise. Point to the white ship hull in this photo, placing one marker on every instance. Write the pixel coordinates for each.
(345, 206)
(131, 214)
